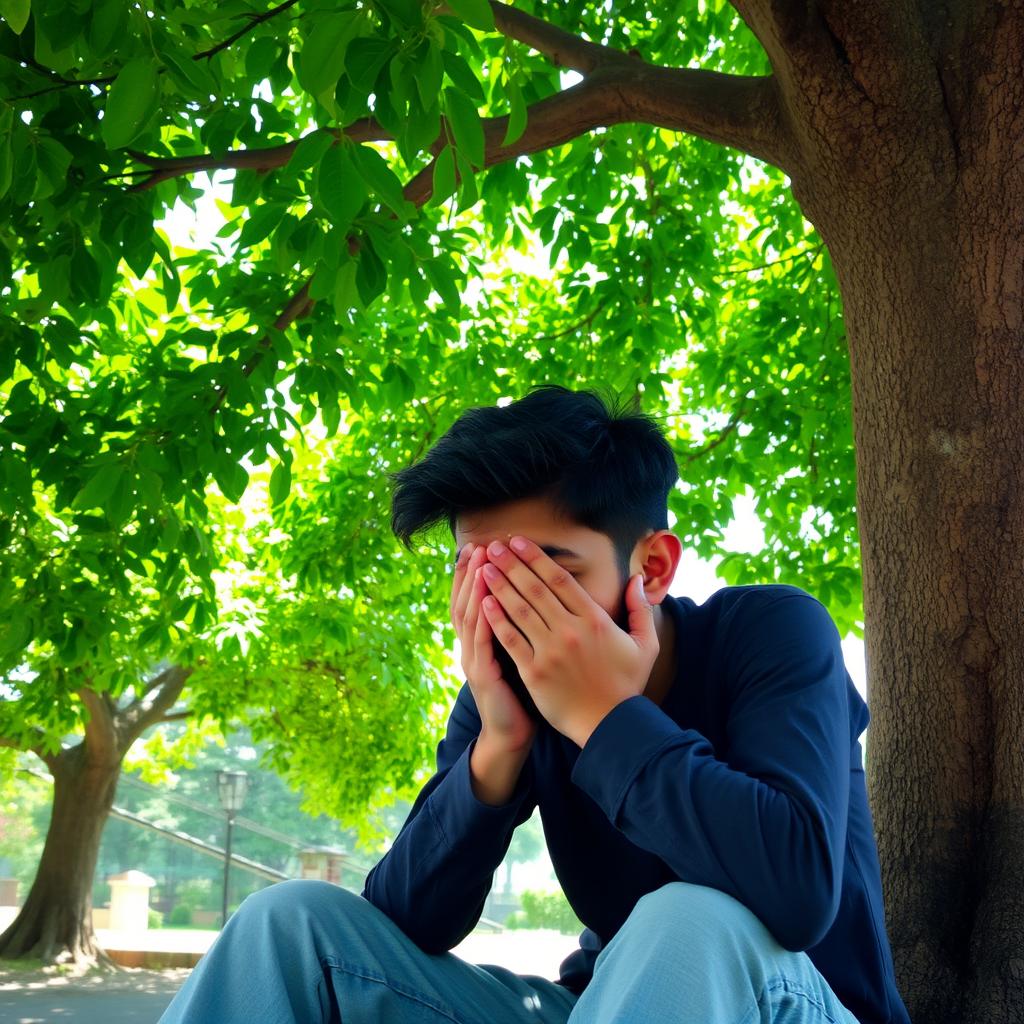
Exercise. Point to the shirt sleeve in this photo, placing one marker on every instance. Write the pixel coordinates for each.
(435, 878)
(764, 820)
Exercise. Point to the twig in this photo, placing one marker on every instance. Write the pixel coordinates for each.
(64, 83)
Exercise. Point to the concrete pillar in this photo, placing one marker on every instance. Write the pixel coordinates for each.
(129, 901)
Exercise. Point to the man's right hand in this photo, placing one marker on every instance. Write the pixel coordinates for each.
(505, 725)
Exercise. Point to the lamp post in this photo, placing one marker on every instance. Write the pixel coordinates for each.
(232, 787)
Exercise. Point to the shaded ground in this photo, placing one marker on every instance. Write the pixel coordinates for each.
(54, 996)
(38, 997)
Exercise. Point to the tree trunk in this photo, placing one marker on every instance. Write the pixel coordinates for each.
(932, 283)
(57, 915)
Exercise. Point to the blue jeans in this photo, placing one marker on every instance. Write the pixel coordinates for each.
(301, 952)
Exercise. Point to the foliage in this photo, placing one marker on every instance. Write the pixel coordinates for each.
(180, 916)
(545, 910)
(196, 430)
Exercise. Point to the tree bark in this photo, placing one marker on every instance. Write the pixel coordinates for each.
(925, 226)
(56, 918)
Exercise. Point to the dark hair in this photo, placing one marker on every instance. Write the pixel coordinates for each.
(601, 463)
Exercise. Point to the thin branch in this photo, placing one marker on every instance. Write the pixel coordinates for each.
(141, 714)
(36, 744)
(160, 168)
(254, 20)
(572, 328)
(722, 435)
(65, 83)
(298, 306)
(771, 263)
(27, 745)
(177, 716)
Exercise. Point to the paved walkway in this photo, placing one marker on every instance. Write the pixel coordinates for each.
(140, 996)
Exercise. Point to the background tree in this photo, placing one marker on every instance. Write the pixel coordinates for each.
(655, 174)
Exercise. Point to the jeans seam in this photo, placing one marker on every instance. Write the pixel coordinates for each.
(357, 970)
(790, 986)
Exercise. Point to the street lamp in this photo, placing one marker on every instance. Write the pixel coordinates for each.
(232, 787)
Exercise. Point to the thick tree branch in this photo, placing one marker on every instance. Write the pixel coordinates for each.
(148, 710)
(873, 47)
(729, 109)
(732, 110)
(100, 732)
(564, 49)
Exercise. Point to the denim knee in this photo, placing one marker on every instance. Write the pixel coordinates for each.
(295, 898)
(698, 914)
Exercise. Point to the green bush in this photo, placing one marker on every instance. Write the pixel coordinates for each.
(156, 918)
(196, 893)
(547, 910)
(180, 915)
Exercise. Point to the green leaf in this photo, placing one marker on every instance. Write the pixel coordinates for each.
(477, 13)
(466, 125)
(309, 150)
(444, 175)
(322, 59)
(101, 485)
(262, 221)
(429, 73)
(461, 75)
(232, 479)
(130, 101)
(371, 274)
(339, 187)
(15, 13)
(517, 113)
(192, 76)
(261, 56)
(468, 193)
(379, 176)
(280, 483)
(441, 275)
(366, 60)
(6, 154)
(53, 161)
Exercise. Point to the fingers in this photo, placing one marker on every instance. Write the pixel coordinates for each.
(460, 575)
(482, 634)
(463, 583)
(517, 607)
(548, 587)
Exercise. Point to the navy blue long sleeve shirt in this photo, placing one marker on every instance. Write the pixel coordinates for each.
(747, 778)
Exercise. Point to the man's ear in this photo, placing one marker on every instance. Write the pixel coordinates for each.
(660, 556)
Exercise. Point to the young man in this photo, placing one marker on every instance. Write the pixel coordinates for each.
(697, 769)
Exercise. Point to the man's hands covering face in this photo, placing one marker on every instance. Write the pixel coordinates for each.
(503, 719)
(575, 661)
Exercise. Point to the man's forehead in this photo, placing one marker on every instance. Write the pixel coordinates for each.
(551, 550)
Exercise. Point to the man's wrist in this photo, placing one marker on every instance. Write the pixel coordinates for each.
(494, 770)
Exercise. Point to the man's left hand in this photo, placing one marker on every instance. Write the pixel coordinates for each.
(575, 661)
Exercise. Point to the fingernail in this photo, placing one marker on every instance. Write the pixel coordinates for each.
(496, 548)
(518, 544)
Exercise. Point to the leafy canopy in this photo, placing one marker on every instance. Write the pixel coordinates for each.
(396, 218)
